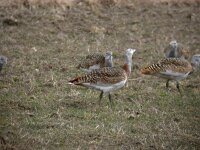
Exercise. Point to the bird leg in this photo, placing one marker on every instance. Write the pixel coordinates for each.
(167, 84)
(100, 97)
(1, 66)
(126, 84)
(110, 100)
(178, 87)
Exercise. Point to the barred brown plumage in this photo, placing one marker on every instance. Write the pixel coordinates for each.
(106, 79)
(176, 50)
(170, 69)
(96, 61)
(105, 75)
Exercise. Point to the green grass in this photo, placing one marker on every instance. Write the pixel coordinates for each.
(39, 110)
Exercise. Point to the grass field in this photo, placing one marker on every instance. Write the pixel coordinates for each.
(39, 110)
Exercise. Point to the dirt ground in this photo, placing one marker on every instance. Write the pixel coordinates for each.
(44, 43)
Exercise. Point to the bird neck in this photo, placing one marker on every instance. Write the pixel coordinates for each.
(172, 53)
(125, 67)
(108, 62)
(194, 66)
(128, 63)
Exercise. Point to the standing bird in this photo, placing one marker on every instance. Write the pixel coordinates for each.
(176, 50)
(170, 69)
(107, 79)
(96, 61)
(3, 61)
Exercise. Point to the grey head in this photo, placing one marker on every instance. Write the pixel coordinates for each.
(173, 44)
(128, 58)
(3, 61)
(173, 49)
(108, 59)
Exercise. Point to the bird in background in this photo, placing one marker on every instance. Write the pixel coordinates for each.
(3, 61)
(176, 50)
(107, 79)
(170, 69)
(96, 61)
(196, 61)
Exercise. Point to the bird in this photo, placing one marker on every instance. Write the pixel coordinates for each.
(3, 61)
(196, 61)
(107, 79)
(170, 69)
(96, 61)
(176, 50)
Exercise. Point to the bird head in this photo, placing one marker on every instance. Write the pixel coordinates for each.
(3, 60)
(173, 44)
(130, 52)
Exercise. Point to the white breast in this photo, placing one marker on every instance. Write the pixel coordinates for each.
(106, 87)
(169, 74)
(97, 66)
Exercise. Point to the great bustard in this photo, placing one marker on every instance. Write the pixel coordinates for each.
(96, 61)
(107, 79)
(196, 61)
(170, 69)
(176, 50)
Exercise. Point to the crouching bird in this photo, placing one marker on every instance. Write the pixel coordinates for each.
(107, 79)
(96, 61)
(170, 69)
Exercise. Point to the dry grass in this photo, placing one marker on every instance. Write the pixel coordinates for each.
(39, 110)
(71, 3)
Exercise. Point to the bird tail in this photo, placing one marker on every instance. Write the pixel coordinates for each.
(75, 81)
(78, 66)
(146, 70)
(152, 69)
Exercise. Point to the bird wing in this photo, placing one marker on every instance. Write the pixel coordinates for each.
(106, 75)
(91, 60)
(176, 65)
(168, 65)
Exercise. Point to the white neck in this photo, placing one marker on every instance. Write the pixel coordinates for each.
(128, 61)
